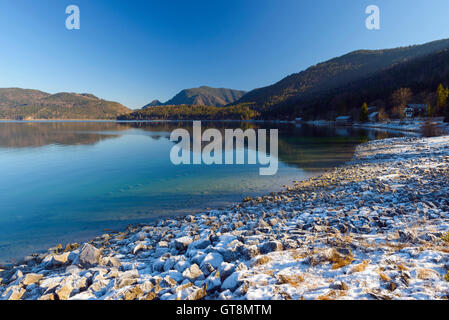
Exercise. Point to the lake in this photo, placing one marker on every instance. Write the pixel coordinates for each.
(70, 181)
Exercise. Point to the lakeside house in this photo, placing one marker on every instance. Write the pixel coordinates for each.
(343, 120)
(415, 110)
(373, 117)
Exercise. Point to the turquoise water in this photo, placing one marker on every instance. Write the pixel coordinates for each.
(69, 181)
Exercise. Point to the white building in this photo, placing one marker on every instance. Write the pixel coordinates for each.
(415, 110)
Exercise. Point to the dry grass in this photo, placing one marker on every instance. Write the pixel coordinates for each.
(268, 272)
(285, 295)
(361, 266)
(339, 240)
(396, 246)
(299, 255)
(401, 267)
(442, 249)
(332, 295)
(383, 276)
(445, 237)
(261, 261)
(339, 261)
(293, 280)
(332, 256)
(427, 274)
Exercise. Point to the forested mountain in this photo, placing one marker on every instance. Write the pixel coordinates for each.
(202, 96)
(340, 84)
(195, 112)
(335, 87)
(26, 104)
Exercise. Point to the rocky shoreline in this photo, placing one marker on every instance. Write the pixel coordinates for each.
(375, 228)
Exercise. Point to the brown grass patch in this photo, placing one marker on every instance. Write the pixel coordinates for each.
(445, 237)
(396, 246)
(299, 255)
(361, 266)
(293, 280)
(332, 295)
(384, 277)
(269, 272)
(427, 274)
(261, 261)
(339, 261)
(402, 267)
(332, 256)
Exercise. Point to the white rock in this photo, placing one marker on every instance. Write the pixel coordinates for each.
(182, 243)
(193, 272)
(89, 255)
(214, 259)
(213, 282)
(232, 282)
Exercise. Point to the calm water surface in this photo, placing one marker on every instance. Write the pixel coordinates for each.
(69, 181)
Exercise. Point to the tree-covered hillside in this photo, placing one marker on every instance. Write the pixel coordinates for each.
(25, 104)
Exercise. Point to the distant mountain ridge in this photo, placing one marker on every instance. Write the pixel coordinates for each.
(303, 87)
(154, 103)
(202, 96)
(336, 87)
(28, 104)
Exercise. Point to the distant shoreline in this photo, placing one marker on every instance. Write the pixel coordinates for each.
(394, 126)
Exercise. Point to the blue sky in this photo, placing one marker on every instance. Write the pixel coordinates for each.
(137, 51)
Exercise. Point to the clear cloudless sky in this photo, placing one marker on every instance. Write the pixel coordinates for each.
(136, 51)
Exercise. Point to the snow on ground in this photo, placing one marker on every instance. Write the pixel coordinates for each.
(404, 125)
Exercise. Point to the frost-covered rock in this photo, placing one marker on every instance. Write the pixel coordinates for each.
(89, 255)
(32, 278)
(226, 269)
(214, 259)
(271, 246)
(182, 243)
(199, 244)
(232, 282)
(213, 282)
(193, 272)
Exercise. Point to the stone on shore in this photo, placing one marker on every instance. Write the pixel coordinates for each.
(32, 278)
(63, 293)
(193, 272)
(182, 243)
(89, 255)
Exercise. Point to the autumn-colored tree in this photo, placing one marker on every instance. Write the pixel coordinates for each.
(383, 116)
(364, 113)
(400, 99)
(442, 96)
(430, 110)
